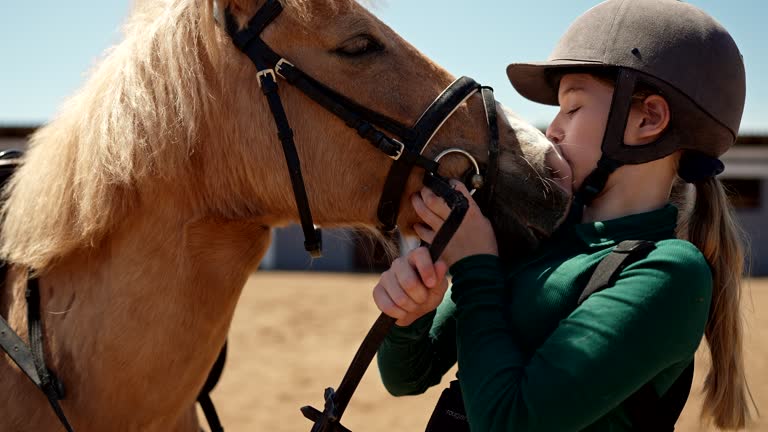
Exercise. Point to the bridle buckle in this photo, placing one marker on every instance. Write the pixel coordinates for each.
(262, 74)
(279, 66)
(400, 151)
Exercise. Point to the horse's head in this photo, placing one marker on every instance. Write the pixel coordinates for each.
(345, 47)
(174, 113)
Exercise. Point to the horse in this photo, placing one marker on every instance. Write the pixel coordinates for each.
(145, 203)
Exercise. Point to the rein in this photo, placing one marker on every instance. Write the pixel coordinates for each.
(336, 401)
(405, 150)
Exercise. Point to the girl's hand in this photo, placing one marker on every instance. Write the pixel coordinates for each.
(412, 287)
(474, 236)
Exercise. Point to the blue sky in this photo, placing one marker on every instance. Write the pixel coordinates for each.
(48, 46)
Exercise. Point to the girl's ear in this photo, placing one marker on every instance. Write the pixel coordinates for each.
(647, 120)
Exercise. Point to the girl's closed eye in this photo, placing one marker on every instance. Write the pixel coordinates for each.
(573, 111)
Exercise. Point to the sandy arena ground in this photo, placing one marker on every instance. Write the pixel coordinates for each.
(295, 333)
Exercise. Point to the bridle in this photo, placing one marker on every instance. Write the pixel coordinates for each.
(404, 145)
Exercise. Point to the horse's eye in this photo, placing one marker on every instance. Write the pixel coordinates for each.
(359, 46)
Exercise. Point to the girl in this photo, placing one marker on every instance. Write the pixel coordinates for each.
(661, 85)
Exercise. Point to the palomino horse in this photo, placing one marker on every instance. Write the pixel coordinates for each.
(146, 203)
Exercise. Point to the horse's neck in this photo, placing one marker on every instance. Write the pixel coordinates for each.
(160, 292)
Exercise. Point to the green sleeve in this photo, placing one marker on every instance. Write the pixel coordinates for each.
(606, 349)
(411, 359)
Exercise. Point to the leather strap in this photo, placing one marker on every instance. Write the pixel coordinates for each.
(18, 351)
(248, 40)
(437, 113)
(29, 358)
(647, 411)
(49, 384)
(492, 167)
(613, 138)
(608, 270)
(336, 402)
(313, 240)
(204, 397)
(13, 345)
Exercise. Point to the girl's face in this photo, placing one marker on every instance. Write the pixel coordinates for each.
(578, 128)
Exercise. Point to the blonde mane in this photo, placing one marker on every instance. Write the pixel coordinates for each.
(140, 115)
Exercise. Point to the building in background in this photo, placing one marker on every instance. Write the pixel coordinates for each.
(745, 176)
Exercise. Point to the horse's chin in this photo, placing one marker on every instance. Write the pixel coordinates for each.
(514, 239)
(520, 229)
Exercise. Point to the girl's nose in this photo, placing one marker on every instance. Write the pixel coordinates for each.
(554, 134)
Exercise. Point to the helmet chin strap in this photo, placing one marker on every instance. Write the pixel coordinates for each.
(694, 166)
(613, 138)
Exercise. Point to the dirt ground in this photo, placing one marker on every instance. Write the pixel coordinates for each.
(295, 333)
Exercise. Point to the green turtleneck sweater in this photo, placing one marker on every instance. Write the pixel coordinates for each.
(530, 359)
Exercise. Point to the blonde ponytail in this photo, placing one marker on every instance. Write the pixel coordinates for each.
(709, 223)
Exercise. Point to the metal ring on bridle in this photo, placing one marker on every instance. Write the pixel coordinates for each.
(477, 178)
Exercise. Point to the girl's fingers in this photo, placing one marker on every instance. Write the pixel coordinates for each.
(461, 187)
(438, 291)
(405, 285)
(385, 303)
(425, 213)
(441, 269)
(424, 233)
(391, 284)
(436, 204)
(421, 259)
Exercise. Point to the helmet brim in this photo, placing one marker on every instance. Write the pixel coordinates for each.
(534, 80)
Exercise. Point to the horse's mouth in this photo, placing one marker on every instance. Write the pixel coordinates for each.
(537, 233)
(541, 234)
(524, 233)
